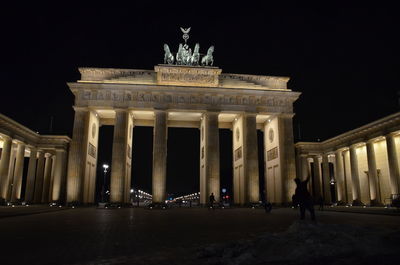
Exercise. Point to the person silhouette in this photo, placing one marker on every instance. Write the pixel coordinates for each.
(304, 198)
(212, 200)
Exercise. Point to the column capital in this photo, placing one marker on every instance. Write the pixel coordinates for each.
(80, 109)
(391, 134)
(5, 137)
(61, 150)
(18, 142)
(285, 115)
(32, 148)
(250, 114)
(121, 110)
(355, 145)
(212, 112)
(341, 150)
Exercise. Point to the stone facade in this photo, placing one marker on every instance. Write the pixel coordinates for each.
(363, 164)
(182, 96)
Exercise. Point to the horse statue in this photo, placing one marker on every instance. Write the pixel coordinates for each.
(179, 59)
(194, 60)
(208, 59)
(168, 57)
(186, 54)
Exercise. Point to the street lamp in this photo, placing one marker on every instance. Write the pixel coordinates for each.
(103, 192)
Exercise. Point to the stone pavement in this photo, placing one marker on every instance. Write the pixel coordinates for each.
(141, 236)
(363, 209)
(9, 211)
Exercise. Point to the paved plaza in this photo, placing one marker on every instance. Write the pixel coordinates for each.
(142, 236)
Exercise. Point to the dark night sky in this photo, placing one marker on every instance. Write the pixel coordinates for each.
(343, 60)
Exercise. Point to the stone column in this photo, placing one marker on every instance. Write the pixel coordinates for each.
(304, 168)
(287, 156)
(77, 155)
(339, 176)
(47, 178)
(59, 176)
(4, 167)
(30, 179)
(19, 168)
(250, 158)
(159, 156)
(317, 178)
(37, 198)
(118, 164)
(326, 179)
(355, 180)
(393, 164)
(372, 174)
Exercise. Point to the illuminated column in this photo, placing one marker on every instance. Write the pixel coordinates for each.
(326, 179)
(18, 171)
(30, 179)
(11, 170)
(317, 178)
(393, 164)
(372, 173)
(77, 156)
(304, 168)
(250, 157)
(47, 178)
(355, 180)
(339, 176)
(59, 176)
(128, 157)
(118, 164)
(4, 167)
(159, 156)
(287, 156)
(37, 198)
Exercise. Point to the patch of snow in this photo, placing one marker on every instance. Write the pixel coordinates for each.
(308, 243)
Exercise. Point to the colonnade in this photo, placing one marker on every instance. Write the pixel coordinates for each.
(246, 179)
(45, 179)
(365, 172)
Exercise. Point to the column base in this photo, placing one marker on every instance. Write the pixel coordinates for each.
(3, 202)
(375, 203)
(357, 203)
(341, 203)
(157, 206)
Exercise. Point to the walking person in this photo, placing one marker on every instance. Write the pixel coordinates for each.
(212, 200)
(321, 203)
(304, 198)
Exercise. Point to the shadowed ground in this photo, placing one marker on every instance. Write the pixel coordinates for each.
(141, 236)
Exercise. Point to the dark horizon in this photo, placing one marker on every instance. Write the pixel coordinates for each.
(343, 60)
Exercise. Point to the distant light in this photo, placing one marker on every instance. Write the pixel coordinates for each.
(223, 190)
(59, 206)
(13, 205)
(73, 207)
(131, 190)
(105, 166)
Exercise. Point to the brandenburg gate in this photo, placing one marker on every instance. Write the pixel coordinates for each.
(183, 92)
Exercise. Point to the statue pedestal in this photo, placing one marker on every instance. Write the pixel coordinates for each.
(183, 75)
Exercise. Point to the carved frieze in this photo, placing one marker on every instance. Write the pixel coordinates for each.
(187, 76)
(129, 97)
